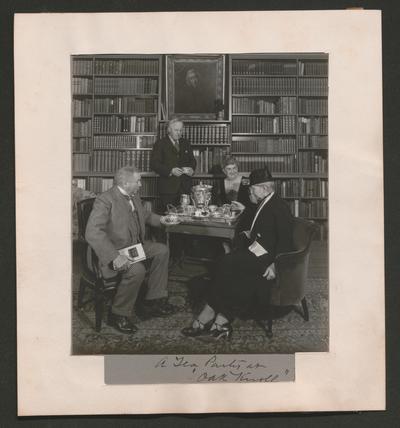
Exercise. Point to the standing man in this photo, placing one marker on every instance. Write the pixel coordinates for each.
(172, 158)
(118, 221)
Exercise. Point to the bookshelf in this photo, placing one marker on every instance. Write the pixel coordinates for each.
(115, 116)
(276, 113)
(279, 116)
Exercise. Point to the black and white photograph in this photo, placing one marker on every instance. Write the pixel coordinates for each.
(213, 252)
(230, 213)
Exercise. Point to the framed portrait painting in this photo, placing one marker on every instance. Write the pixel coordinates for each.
(195, 86)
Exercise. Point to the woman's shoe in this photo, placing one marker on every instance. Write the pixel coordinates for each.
(223, 331)
(199, 330)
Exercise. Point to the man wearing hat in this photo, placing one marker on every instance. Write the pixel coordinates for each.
(236, 288)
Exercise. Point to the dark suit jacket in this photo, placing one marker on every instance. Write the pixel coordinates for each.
(165, 157)
(111, 225)
(273, 229)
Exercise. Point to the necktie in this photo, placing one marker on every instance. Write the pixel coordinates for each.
(130, 200)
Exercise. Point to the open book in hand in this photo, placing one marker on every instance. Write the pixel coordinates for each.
(135, 253)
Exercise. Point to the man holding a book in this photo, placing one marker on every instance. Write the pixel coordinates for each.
(116, 232)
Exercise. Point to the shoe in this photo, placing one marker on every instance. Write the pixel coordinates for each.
(121, 323)
(223, 331)
(156, 308)
(200, 330)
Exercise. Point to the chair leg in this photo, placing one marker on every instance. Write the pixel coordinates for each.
(98, 308)
(305, 309)
(81, 293)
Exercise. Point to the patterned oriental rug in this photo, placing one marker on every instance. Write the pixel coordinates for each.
(162, 335)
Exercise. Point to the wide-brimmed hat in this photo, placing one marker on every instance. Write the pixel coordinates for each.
(261, 175)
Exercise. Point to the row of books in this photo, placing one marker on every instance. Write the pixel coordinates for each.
(123, 141)
(313, 106)
(124, 124)
(242, 66)
(111, 160)
(313, 68)
(312, 141)
(99, 184)
(304, 188)
(275, 163)
(202, 134)
(313, 86)
(80, 144)
(82, 85)
(125, 105)
(125, 85)
(264, 85)
(312, 162)
(82, 128)
(82, 66)
(81, 107)
(208, 158)
(317, 209)
(314, 209)
(313, 125)
(264, 125)
(80, 162)
(314, 188)
(282, 105)
(246, 67)
(264, 145)
(126, 66)
(288, 188)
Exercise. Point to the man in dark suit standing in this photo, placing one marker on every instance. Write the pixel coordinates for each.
(172, 158)
(118, 221)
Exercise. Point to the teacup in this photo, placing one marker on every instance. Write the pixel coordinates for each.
(212, 208)
(189, 209)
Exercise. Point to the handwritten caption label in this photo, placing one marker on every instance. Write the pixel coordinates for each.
(121, 369)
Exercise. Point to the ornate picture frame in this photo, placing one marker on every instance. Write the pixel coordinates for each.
(195, 86)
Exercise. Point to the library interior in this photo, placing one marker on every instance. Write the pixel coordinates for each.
(238, 112)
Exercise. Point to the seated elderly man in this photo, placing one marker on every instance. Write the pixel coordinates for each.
(238, 283)
(117, 221)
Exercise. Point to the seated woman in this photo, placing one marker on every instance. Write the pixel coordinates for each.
(238, 288)
(233, 187)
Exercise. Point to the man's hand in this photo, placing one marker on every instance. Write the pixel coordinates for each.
(163, 221)
(270, 272)
(237, 205)
(246, 233)
(188, 171)
(121, 262)
(177, 172)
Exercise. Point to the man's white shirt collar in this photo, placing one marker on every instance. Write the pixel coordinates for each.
(173, 141)
(126, 194)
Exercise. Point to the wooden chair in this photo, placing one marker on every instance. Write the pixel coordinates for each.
(289, 287)
(91, 277)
